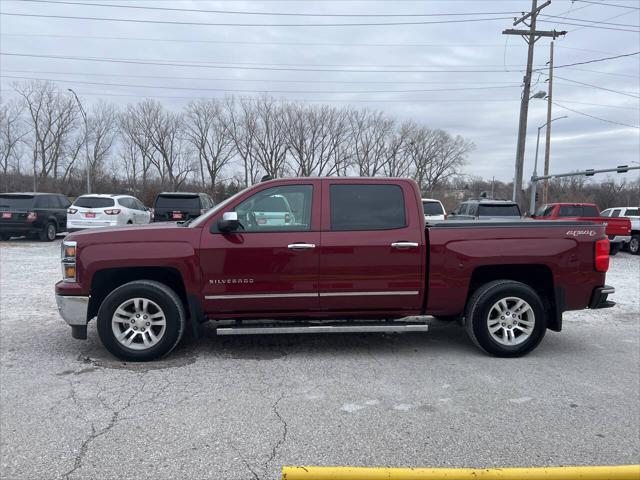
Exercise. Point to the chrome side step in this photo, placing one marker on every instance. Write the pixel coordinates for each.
(315, 328)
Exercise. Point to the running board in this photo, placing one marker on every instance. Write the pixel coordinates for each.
(350, 328)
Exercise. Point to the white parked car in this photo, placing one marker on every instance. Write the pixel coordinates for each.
(633, 214)
(98, 210)
(433, 210)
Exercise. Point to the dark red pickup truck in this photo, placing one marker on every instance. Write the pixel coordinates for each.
(352, 255)
(618, 230)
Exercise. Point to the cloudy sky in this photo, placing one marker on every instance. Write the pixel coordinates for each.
(443, 63)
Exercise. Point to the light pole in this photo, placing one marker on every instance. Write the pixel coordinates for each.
(86, 138)
(532, 203)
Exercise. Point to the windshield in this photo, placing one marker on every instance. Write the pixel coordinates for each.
(498, 211)
(203, 218)
(94, 202)
(16, 202)
(178, 202)
(432, 208)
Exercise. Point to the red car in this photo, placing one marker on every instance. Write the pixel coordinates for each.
(356, 257)
(618, 230)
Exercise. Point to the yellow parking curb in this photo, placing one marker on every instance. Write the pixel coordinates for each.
(621, 472)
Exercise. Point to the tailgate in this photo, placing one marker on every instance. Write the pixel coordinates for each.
(617, 226)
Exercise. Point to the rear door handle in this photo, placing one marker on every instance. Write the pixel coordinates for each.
(402, 245)
(301, 246)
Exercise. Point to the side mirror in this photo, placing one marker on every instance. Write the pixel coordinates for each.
(229, 222)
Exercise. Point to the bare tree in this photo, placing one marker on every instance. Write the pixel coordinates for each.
(269, 144)
(52, 117)
(206, 128)
(315, 136)
(398, 163)
(166, 134)
(12, 133)
(241, 126)
(102, 123)
(136, 124)
(370, 132)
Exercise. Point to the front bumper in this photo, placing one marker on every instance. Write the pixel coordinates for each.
(73, 309)
(599, 297)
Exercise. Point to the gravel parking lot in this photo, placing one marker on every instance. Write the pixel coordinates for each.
(242, 407)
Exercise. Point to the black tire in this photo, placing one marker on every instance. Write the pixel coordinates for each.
(4, 237)
(634, 244)
(48, 232)
(158, 293)
(479, 308)
(614, 248)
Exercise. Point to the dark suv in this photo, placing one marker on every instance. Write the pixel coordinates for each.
(36, 215)
(180, 206)
(486, 209)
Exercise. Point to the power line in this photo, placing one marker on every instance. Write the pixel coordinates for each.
(306, 44)
(595, 60)
(592, 26)
(597, 118)
(602, 22)
(609, 18)
(226, 24)
(233, 90)
(599, 87)
(283, 14)
(261, 80)
(614, 74)
(241, 67)
(608, 4)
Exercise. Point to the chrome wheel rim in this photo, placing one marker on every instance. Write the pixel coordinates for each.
(138, 324)
(51, 232)
(511, 321)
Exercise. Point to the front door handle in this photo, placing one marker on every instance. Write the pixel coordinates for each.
(301, 246)
(403, 245)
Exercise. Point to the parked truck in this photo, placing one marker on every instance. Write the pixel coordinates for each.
(618, 230)
(356, 257)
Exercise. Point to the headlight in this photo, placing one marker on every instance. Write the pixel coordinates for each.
(68, 253)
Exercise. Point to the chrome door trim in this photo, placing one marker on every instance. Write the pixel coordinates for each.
(301, 246)
(368, 294)
(260, 295)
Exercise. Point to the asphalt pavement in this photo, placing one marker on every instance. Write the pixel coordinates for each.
(242, 407)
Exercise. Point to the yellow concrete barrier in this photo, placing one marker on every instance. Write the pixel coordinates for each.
(621, 472)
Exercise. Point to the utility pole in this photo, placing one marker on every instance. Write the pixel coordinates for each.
(547, 148)
(531, 36)
(86, 139)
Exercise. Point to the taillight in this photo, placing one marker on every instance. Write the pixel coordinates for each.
(71, 211)
(31, 216)
(112, 211)
(287, 218)
(602, 255)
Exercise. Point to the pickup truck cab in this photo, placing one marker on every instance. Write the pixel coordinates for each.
(618, 230)
(633, 214)
(486, 209)
(356, 257)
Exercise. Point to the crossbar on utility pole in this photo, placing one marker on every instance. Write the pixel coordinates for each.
(531, 36)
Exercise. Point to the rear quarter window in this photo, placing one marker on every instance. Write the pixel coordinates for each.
(432, 208)
(366, 207)
(632, 212)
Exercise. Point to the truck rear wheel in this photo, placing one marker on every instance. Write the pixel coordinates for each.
(141, 320)
(634, 245)
(505, 318)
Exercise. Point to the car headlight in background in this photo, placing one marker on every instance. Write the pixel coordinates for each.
(68, 254)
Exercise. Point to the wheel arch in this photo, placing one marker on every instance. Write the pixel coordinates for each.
(106, 280)
(537, 276)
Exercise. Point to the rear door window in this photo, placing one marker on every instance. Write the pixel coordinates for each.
(16, 202)
(367, 207)
(616, 213)
(94, 202)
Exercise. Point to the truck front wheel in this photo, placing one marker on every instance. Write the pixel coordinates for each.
(505, 318)
(141, 320)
